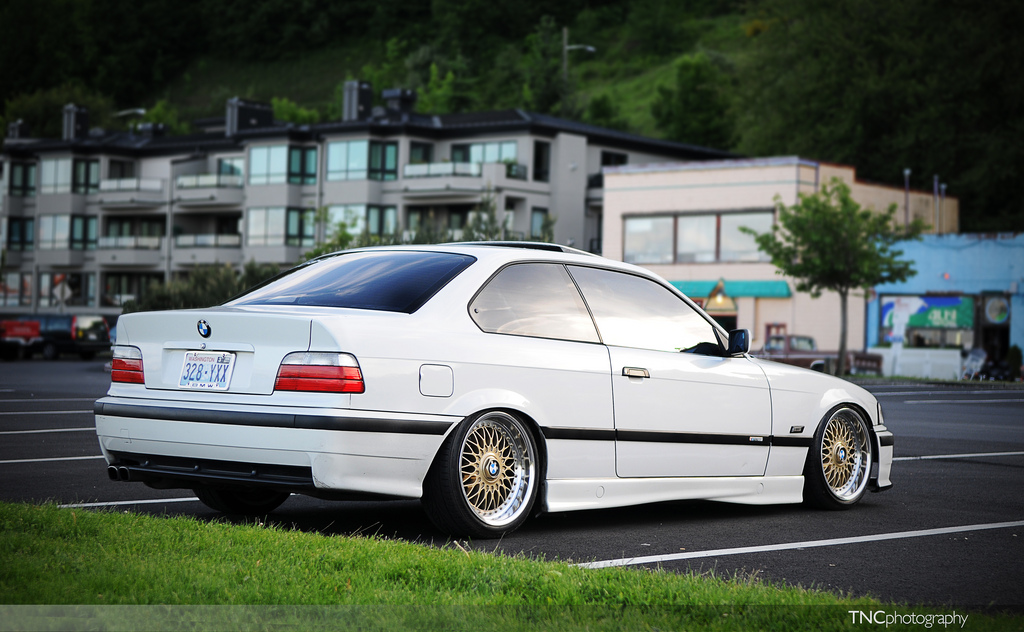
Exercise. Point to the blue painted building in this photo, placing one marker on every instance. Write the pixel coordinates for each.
(968, 293)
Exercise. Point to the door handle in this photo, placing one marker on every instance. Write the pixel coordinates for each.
(632, 371)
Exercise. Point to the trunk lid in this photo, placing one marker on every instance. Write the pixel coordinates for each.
(253, 342)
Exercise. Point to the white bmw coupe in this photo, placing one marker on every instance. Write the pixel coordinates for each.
(492, 381)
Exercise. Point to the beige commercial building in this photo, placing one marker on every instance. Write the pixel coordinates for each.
(682, 221)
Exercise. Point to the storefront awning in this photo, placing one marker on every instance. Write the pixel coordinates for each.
(736, 289)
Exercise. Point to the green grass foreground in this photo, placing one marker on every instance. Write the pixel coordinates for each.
(99, 566)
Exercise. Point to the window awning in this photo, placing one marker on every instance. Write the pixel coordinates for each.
(736, 289)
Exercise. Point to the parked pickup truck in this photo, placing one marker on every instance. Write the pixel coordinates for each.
(803, 351)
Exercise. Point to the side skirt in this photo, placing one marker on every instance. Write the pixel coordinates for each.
(598, 493)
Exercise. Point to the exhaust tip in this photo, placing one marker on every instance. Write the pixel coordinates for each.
(124, 474)
(112, 473)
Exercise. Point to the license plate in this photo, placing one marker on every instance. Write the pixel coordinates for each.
(207, 370)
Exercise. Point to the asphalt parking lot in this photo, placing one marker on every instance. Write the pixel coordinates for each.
(950, 532)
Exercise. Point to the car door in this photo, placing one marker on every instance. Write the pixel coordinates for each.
(680, 407)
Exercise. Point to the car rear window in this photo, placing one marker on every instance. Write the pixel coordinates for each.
(391, 281)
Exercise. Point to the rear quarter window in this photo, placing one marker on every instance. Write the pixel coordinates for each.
(390, 281)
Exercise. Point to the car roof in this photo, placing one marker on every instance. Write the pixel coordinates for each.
(499, 253)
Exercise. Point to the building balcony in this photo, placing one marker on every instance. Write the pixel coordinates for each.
(132, 193)
(59, 257)
(207, 249)
(130, 251)
(209, 190)
(442, 169)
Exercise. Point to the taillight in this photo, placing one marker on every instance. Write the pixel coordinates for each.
(319, 372)
(127, 365)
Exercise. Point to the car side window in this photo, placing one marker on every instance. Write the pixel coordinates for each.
(533, 299)
(632, 311)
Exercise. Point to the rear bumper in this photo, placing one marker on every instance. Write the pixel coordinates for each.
(289, 448)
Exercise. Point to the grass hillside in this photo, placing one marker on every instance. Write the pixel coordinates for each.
(629, 78)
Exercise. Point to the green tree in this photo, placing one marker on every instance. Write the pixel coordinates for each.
(543, 89)
(438, 95)
(287, 110)
(696, 110)
(603, 111)
(483, 224)
(889, 85)
(204, 286)
(164, 113)
(828, 242)
(42, 110)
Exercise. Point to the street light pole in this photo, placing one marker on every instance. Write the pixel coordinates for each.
(906, 199)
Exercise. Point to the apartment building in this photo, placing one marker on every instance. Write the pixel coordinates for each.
(90, 220)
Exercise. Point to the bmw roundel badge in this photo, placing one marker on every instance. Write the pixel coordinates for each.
(204, 328)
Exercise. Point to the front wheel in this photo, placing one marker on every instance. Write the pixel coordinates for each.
(839, 462)
(241, 502)
(484, 482)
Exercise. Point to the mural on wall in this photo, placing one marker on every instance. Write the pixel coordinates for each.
(925, 312)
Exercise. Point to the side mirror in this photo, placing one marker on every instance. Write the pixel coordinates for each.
(739, 342)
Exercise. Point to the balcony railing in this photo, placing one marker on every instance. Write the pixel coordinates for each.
(132, 184)
(516, 171)
(130, 243)
(208, 241)
(441, 169)
(209, 180)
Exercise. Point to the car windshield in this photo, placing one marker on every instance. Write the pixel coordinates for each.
(391, 281)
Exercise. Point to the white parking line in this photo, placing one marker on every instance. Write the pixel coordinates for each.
(58, 458)
(965, 401)
(924, 391)
(810, 544)
(48, 412)
(18, 432)
(118, 503)
(974, 455)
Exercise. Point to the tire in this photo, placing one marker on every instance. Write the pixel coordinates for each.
(839, 461)
(241, 502)
(50, 351)
(484, 482)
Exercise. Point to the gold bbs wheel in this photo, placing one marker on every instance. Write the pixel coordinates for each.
(496, 468)
(839, 464)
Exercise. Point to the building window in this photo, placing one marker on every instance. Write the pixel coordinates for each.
(541, 160)
(16, 289)
(265, 226)
(84, 232)
(54, 232)
(735, 245)
(648, 240)
(301, 229)
(21, 233)
(23, 179)
(55, 176)
(231, 166)
(421, 153)
(268, 165)
(538, 219)
(696, 238)
(302, 165)
(347, 160)
(121, 170)
(359, 219)
(119, 288)
(613, 159)
(503, 151)
(383, 161)
(86, 177)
